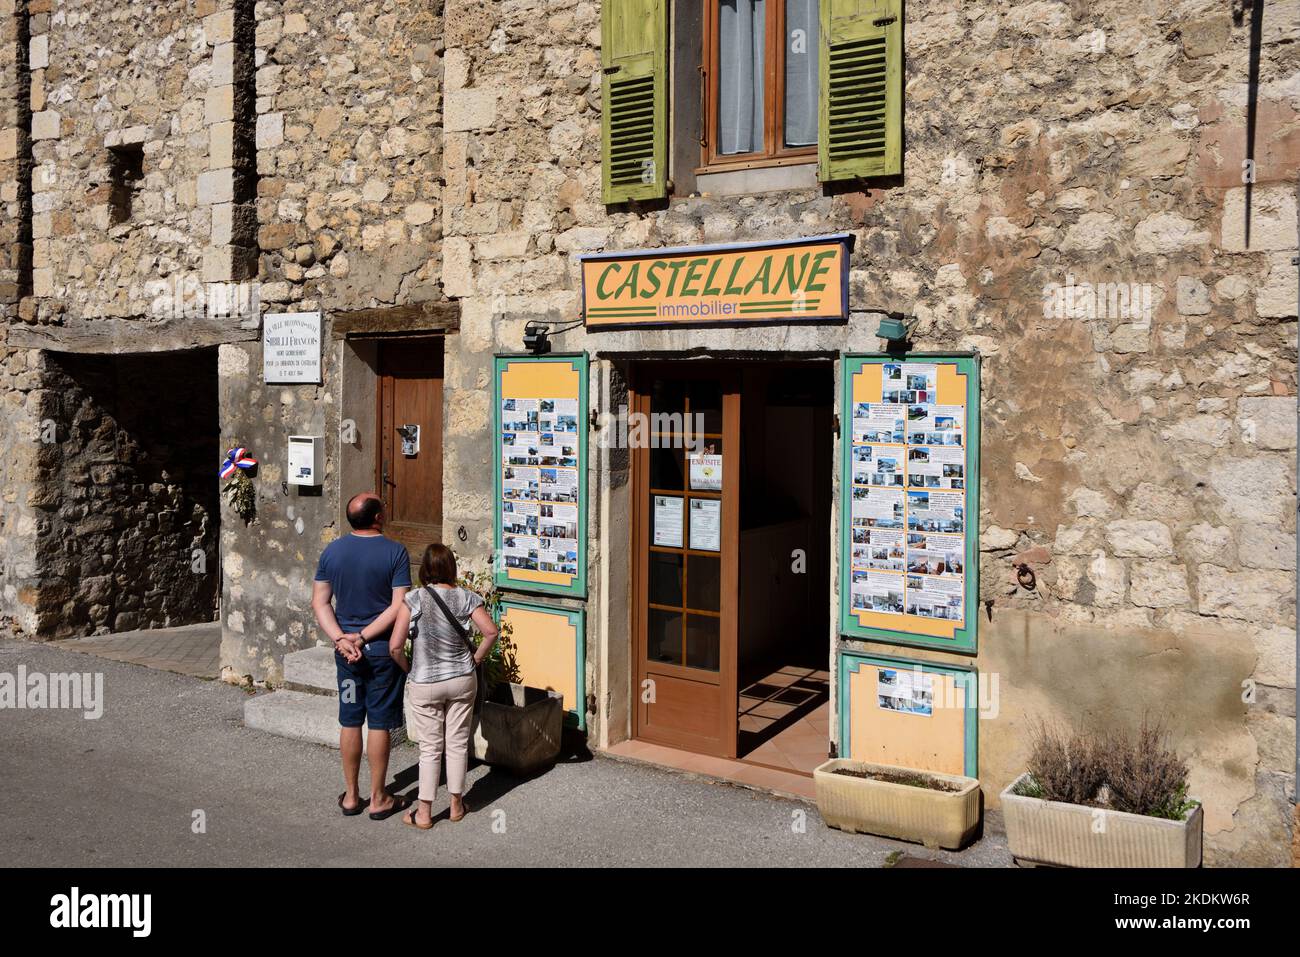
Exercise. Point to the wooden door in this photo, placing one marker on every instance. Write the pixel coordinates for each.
(685, 557)
(409, 480)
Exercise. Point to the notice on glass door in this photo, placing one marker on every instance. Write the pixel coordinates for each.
(668, 521)
(706, 524)
(706, 472)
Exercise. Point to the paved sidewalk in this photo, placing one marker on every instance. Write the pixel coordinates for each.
(126, 790)
(193, 650)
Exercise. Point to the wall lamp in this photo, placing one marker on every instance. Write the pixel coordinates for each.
(537, 336)
(895, 330)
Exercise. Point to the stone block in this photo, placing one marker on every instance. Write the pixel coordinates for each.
(1158, 585)
(299, 715)
(38, 55)
(270, 130)
(46, 125)
(1193, 297)
(219, 105)
(216, 186)
(1140, 538)
(1272, 219)
(223, 65)
(219, 27)
(473, 109)
(1268, 422)
(221, 146)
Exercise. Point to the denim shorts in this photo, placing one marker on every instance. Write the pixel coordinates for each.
(370, 692)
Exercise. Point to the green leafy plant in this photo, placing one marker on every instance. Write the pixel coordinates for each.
(242, 495)
(501, 665)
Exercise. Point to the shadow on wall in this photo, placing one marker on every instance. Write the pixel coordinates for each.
(128, 493)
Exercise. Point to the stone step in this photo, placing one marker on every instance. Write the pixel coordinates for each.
(311, 670)
(300, 715)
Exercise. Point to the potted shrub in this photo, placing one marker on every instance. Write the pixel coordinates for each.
(518, 728)
(937, 810)
(1118, 800)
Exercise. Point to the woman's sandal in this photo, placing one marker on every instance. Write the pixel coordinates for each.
(400, 804)
(351, 812)
(410, 821)
(464, 809)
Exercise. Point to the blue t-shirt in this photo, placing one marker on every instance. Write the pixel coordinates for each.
(363, 570)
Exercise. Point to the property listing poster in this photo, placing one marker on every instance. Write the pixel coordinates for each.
(908, 508)
(539, 484)
(540, 449)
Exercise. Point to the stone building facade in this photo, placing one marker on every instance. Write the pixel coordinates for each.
(433, 167)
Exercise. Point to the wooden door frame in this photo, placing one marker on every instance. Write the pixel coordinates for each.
(638, 402)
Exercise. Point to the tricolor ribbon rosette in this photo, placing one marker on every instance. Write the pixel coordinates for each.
(237, 459)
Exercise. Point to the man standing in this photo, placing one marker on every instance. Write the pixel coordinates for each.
(367, 576)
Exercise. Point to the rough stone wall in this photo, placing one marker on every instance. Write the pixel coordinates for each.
(348, 151)
(15, 153)
(267, 566)
(349, 161)
(160, 79)
(1145, 471)
(20, 444)
(127, 506)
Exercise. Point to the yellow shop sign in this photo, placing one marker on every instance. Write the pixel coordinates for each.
(752, 282)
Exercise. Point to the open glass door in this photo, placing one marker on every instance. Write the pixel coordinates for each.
(686, 493)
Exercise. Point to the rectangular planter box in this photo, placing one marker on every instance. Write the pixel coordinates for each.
(1072, 835)
(863, 806)
(519, 729)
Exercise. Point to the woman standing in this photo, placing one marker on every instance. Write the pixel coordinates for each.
(442, 685)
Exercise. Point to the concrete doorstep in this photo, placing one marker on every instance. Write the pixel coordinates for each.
(307, 708)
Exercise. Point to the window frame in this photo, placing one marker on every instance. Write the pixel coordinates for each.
(775, 153)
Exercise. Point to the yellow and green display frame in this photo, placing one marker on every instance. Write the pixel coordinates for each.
(904, 629)
(851, 663)
(560, 619)
(529, 376)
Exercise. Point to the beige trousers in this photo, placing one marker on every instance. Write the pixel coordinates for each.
(440, 704)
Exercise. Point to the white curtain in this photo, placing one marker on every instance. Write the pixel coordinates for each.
(740, 81)
(801, 38)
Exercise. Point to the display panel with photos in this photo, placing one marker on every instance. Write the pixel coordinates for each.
(909, 514)
(540, 467)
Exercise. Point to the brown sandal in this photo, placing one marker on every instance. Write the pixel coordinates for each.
(463, 812)
(410, 821)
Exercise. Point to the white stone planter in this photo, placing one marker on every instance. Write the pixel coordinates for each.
(864, 806)
(1072, 835)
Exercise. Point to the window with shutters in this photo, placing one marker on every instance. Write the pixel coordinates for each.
(762, 89)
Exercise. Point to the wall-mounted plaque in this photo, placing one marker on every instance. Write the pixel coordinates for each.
(291, 348)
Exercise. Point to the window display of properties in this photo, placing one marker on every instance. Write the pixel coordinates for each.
(541, 452)
(909, 521)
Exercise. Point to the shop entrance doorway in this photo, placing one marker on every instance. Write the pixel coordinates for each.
(731, 549)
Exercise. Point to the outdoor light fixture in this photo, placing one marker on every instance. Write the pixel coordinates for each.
(895, 330)
(535, 338)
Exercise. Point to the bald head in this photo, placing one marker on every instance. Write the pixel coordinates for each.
(365, 511)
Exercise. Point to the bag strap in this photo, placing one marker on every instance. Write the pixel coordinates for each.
(460, 629)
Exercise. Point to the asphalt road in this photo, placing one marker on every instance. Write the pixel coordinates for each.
(124, 790)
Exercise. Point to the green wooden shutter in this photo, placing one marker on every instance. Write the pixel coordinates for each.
(861, 129)
(634, 96)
